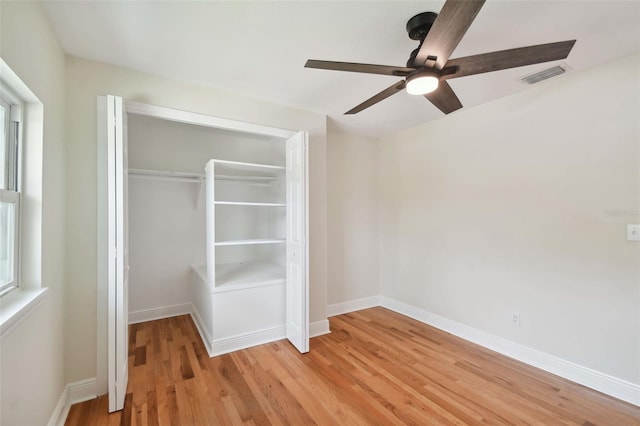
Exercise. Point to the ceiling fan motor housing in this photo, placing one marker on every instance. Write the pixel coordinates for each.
(418, 27)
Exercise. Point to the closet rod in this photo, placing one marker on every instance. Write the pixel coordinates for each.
(160, 174)
(199, 178)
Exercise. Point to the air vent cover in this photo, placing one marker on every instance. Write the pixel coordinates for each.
(545, 74)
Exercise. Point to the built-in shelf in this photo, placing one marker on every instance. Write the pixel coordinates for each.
(249, 242)
(248, 180)
(244, 275)
(243, 203)
(247, 173)
(239, 168)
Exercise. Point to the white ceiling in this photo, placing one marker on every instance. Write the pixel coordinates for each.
(258, 48)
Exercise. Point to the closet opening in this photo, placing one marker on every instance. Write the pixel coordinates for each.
(209, 218)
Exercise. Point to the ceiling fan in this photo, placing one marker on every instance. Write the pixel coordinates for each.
(429, 66)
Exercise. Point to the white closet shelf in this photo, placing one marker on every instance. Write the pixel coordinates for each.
(247, 180)
(247, 173)
(243, 203)
(248, 242)
(239, 276)
(237, 166)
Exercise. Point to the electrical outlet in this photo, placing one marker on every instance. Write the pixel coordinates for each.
(515, 319)
(633, 232)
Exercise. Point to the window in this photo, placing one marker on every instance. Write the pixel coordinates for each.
(21, 181)
(10, 112)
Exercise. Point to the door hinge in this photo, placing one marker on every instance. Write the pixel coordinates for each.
(16, 113)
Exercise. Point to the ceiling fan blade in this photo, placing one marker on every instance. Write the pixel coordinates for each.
(355, 67)
(444, 98)
(392, 90)
(450, 26)
(511, 58)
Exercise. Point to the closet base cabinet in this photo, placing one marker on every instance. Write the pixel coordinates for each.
(239, 318)
(239, 295)
(248, 317)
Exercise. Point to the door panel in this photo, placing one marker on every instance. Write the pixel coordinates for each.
(118, 273)
(297, 286)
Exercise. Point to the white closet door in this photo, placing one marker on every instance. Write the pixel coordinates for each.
(297, 284)
(118, 267)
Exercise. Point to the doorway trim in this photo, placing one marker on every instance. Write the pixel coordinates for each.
(176, 115)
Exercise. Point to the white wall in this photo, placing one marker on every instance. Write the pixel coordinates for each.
(352, 197)
(166, 235)
(32, 354)
(166, 145)
(516, 205)
(86, 80)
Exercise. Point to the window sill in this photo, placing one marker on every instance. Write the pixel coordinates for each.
(17, 305)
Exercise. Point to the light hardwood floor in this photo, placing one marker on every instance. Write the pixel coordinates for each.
(375, 368)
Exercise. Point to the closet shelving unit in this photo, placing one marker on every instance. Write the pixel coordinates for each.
(245, 225)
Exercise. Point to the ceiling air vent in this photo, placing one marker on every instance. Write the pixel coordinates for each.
(545, 74)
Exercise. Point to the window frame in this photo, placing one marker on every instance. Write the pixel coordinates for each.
(13, 197)
(10, 190)
(18, 304)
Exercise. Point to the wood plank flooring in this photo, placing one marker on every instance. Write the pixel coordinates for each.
(375, 368)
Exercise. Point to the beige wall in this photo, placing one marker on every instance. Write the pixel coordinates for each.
(86, 80)
(511, 206)
(32, 353)
(352, 197)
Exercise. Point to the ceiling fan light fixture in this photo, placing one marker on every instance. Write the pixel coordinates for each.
(422, 82)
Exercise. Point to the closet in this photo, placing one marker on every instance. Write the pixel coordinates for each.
(217, 227)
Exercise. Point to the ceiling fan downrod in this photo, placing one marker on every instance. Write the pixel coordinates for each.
(418, 27)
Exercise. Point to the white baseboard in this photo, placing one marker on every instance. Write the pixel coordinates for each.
(227, 345)
(72, 393)
(319, 328)
(159, 313)
(205, 334)
(243, 341)
(82, 390)
(352, 305)
(601, 382)
(60, 413)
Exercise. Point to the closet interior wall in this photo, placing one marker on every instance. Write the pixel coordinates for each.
(167, 214)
